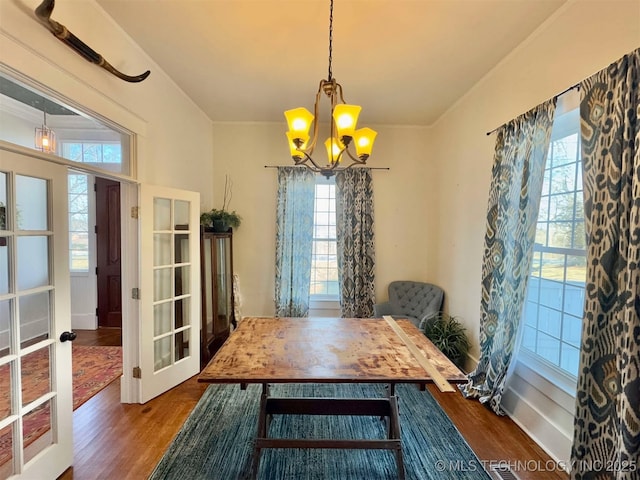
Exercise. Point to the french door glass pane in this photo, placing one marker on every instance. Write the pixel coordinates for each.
(183, 313)
(162, 318)
(162, 352)
(181, 214)
(4, 265)
(35, 318)
(3, 201)
(31, 203)
(36, 375)
(161, 214)
(6, 453)
(182, 286)
(162, 284)
(161, 249)
(181, 248)
(37, 426)
(5, 398)
(33, 262)
(182, 344)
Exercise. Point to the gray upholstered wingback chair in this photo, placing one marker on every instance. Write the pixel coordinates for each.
(416, 301)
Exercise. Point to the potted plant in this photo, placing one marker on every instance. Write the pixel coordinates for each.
(449, 335)
(221, 220)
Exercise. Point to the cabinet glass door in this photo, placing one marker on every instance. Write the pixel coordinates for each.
(207, 291)
(223, 277)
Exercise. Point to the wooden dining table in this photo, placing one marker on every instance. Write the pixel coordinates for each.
(275, 350)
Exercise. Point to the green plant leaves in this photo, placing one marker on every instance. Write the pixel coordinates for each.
(449, 335)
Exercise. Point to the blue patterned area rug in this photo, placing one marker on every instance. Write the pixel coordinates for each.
(215, 442)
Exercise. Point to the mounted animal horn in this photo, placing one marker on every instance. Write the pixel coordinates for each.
(43, 12)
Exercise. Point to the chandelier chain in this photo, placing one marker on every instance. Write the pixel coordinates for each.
(330, 39)
(342, 127)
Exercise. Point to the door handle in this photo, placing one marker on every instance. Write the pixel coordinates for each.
(70, 336)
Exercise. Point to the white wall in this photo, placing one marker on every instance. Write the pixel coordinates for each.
(579, 40)
(403, 236)
(16, 130)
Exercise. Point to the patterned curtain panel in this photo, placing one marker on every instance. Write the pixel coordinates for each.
(521, 152)
(606, 442)
(356, 252)
(294, 240)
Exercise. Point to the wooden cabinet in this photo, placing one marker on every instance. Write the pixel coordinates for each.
(216, 259)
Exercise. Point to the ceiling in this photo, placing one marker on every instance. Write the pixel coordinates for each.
(31, 98)
(405, 61)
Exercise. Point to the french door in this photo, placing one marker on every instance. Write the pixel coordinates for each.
(35, 362)
(169, 288)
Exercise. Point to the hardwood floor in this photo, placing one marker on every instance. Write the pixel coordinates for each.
(114, 440)
(102, 337)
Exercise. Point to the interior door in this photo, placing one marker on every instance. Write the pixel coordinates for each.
(108, 253)
(35, 365)
(169, 288)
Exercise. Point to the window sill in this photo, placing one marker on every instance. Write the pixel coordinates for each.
(324, 306)
(549, 372)
(324, 301)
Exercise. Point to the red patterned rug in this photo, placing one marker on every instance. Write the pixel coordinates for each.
(93, 369)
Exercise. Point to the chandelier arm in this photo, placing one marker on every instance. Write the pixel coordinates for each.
(356, 160)
(309, 159)
(316, 123)
(339, 92)
(333, 129)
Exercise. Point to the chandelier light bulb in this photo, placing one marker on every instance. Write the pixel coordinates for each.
(346, 118)
(363, 139)
(334, 149)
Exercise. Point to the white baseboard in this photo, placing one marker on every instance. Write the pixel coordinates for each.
(539, 427)
(85, 321)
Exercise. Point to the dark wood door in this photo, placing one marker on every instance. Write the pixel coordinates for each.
(108, 253)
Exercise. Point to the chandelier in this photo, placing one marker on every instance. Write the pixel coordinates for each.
(342, 122)
(45, 138)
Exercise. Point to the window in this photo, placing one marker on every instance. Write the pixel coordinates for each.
(555, 296)
(324, 261)
(92, 152)
(78, 222)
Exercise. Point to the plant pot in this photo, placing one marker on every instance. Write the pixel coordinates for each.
(220, 226)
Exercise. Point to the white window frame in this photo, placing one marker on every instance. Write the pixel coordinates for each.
(564, 125)
(90, 221)
(86, 143)
(324, 302)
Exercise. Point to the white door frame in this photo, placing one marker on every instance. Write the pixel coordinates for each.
(130, 388)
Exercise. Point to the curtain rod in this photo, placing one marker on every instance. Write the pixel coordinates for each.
(577, 85)
(302, 166)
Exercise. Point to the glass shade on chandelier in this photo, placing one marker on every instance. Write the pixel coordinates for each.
(45, 138)
(342, 124)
